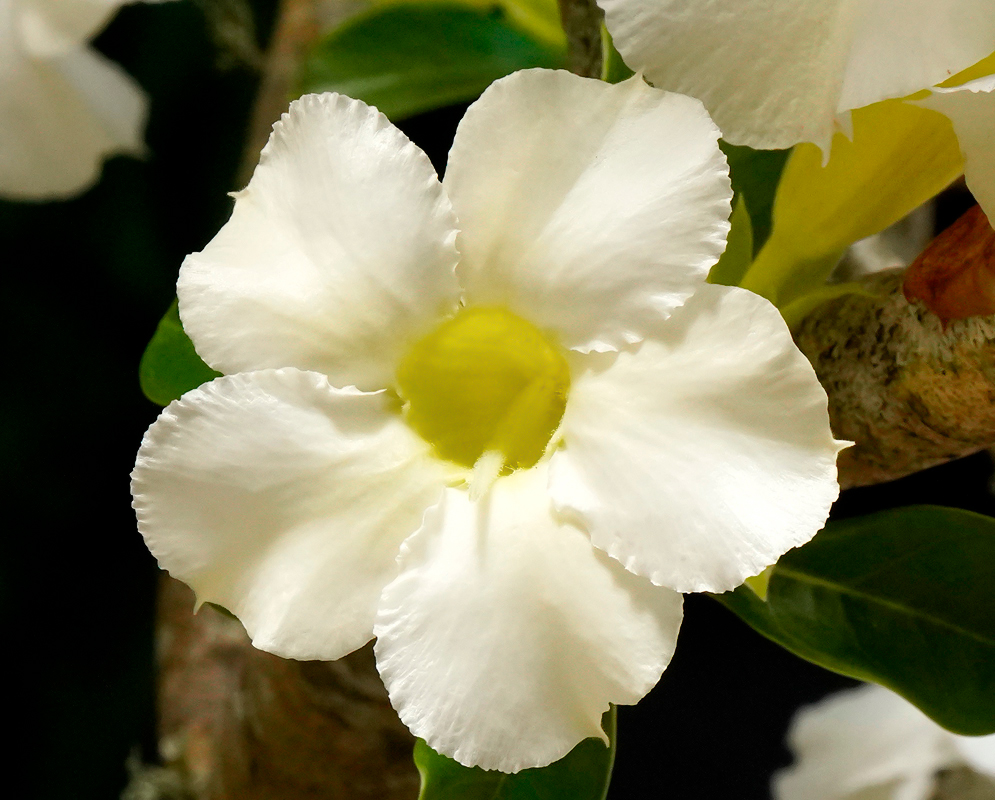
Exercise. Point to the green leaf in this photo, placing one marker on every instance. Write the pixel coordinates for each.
(583, 774)
(540, 19)
(796, 311)
(170, 366)
(613, 68)
(755, 175)
(905, 598)
(411, 58)
(738, 255)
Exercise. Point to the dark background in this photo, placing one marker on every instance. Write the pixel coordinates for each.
(86, 282)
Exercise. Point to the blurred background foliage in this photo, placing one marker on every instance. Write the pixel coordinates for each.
(89, 280)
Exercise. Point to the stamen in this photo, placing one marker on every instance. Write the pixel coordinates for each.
(485, 472)
(485, 380)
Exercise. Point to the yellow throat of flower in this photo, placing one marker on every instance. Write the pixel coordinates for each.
(485, 381)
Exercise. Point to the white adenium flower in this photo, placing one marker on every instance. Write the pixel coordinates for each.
(870, 744)
(63, 106)
(438, 396)
(773, 73)
(971, 109)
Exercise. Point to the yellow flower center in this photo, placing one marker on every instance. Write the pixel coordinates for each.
(485, 381)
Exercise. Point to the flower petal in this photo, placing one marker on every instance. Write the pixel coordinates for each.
(859, 740)
(777, 72)
(978, 752)
(702, 457)
(506, 635)
(898, 50)
(971, 108)
(588, 209)
(60, 117)
(285, 500)
(338, 253)
(54, 27)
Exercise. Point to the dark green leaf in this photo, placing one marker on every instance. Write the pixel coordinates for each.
(412, 58)
(170, 365)
(755, 174)
(583, 774)
(738, 255)
(905, 598)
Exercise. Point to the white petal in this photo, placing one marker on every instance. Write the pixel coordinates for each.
(978, 752)
(61, 117)
(859, 740)
(971, 108)
(54, 27)
(286, 501)
(340, 252)
(776, 72)
(899, 48)
(705, 455)
(587, 208)
(506, 635)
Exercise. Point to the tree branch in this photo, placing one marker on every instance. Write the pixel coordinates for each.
(240, 724)
(296, 28)
(911, 390)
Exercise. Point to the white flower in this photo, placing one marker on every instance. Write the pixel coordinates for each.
(971, 109)
(870, 744)
(773, 73)
(63, 106)
(543, 387)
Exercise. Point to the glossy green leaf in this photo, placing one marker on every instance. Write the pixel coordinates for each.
(755, 175)
(170, 366)
(583, 774)
(411, 58)
(738, 255)
(905, 598)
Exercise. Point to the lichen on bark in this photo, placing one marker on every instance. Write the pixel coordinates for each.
(910, 388)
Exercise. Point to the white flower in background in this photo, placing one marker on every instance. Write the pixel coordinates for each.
(870, 744)
(439, 395)
(773, 73)
(971, 109)
(63, 106)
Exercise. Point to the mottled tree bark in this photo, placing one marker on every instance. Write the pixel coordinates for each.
(911, 389)
(240, 724)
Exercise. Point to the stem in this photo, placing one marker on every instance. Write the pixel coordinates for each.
(296, 28)
(582, 24)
